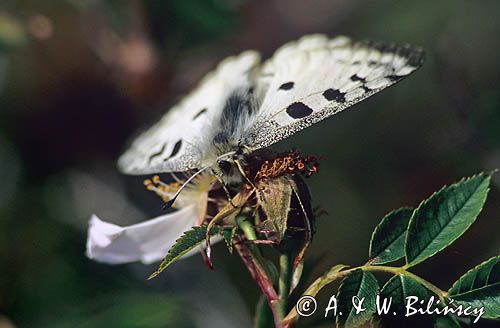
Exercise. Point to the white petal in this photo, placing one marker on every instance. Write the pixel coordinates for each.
(147, 242)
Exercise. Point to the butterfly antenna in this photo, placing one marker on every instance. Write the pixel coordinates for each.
(169, 204)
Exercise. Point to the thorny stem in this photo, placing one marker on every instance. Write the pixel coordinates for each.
(321, 281)
(261, 278)
(255, 263)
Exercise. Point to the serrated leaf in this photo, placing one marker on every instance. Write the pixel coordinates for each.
(445, 216)
(189, 240)
(228, 235)
(399, 287)
(480, 287)
(388, 239)
(360, 284)
(324, 280)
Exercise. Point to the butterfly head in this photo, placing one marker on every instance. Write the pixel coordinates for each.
(226, 166)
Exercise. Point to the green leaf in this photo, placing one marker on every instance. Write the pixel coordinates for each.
(480, 287)
(228, 235)
(399, 287)
(324, 280)
(388, 239)
(189, 240)
(361, 284)
(445, 216)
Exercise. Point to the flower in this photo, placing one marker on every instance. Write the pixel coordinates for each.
(150, 240)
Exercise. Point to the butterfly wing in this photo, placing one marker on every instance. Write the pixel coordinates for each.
(315, 77)
(182, 138)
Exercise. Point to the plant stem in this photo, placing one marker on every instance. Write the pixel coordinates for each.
(285, 279)
(402, 270)
(433, 288)
(246, 227)
(379, 268)
(256, 264)
(261, 278)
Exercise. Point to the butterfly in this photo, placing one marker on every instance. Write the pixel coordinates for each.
(245, 104)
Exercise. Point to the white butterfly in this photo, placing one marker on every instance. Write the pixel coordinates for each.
(245, 105)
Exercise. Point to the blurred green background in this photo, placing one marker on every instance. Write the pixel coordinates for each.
(79, 77)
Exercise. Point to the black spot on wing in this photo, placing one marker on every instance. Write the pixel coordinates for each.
(298, 110)
(286, 86)
(158, 153)
(404, 50)
(201, 112)
(385, 47)
(176, 149)
(416, 57)
(333, 94)
(355, 78)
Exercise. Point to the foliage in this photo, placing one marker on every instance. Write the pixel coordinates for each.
(388, 238)
(51, 128)
(444, 217)
(360, 284)
(480, 287)
(189, 240)
(414, 234)
(418, 235)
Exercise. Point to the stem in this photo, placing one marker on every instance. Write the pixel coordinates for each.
(402, 270)
(246, 227)
(433, 288)
(261, 278)
(380, 268)
(256, 264)
(285, 279)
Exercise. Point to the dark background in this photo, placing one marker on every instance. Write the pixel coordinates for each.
(79, 78)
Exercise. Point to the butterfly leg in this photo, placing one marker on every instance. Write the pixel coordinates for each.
(307, 223)
(243, 174)
(224, 187)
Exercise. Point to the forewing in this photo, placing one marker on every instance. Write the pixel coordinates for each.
(182, 138)
(315, 77)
